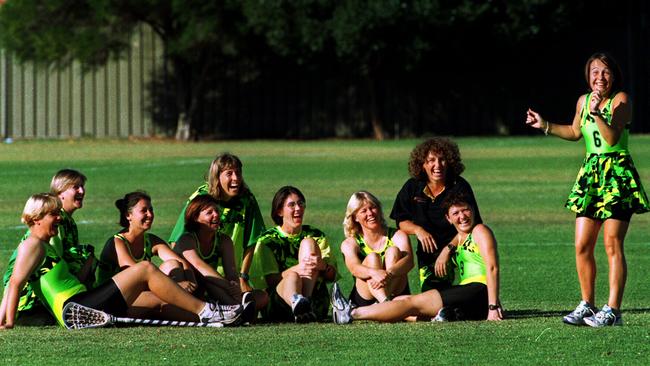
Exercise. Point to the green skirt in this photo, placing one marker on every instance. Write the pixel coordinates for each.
(607, 184)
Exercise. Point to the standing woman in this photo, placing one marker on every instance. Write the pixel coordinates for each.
(608, 189)
(135, 244)
(435, 167)
(241, 219)
(377, 256)
(296, 262)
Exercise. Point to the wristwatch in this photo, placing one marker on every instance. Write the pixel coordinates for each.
(494, 306)
(244, 276)
(451, 247)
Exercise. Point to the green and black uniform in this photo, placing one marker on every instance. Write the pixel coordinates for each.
(468, 297)
(608, 184)
(364, 250)
(108, 265)
(66, 245)
(241, 220)
(277, 251)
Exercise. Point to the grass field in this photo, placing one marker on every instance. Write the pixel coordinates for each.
(520, 183)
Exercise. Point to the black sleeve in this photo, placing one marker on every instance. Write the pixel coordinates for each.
(403, 207)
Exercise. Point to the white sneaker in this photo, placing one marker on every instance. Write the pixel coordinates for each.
(341, 307)
(225, 314)
(606, 316)
(582, 311)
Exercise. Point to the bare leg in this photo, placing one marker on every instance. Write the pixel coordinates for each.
(426, 304)
(173, 269)
(614, 236)
(145, 276)
(372, 260)
(397, 284)
(290, 284)
(308, 248)
(148, 305)
(586, 235)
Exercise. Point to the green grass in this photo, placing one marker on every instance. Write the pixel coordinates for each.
(520, 184)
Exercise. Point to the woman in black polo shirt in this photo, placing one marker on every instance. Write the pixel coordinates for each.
(435, 166)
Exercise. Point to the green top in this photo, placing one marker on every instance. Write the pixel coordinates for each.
(594, 142)
(108, 265)
(241, 220)
(365, 249)
(470, 263)
(276, 250)
(66, 245)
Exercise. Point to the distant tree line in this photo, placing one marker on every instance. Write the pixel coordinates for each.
(321, 68)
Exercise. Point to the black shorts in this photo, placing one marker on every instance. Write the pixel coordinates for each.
(358, 300)
(469, 302)
(106, 298)
(622, 215)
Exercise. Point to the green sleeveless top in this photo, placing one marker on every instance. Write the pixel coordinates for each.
(594, 142)
(365, 249)
(212, 257)
(108, 266)
(471, 266)
(53, 283)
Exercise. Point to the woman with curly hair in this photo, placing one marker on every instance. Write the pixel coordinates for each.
(435, 167)
(378, 257)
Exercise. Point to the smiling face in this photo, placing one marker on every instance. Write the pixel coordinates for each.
(230, 180)
(601, 78)
(49, 224)
(435, 166)
(292, 212)
(368, 216)
(73, 198)
(462, 217)
(209, 217)
(141, 215)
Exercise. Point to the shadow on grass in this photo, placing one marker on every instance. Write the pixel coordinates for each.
(538, 313)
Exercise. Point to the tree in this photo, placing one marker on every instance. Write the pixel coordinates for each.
(200, 38)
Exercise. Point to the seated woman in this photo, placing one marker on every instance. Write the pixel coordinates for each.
(296, 262)
(204, 247)
(475, 297)
(42, 267)
(378, 257)
(134, 244)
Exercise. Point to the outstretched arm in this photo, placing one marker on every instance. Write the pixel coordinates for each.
(568, 132)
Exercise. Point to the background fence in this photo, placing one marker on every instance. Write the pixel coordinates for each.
(66, 102)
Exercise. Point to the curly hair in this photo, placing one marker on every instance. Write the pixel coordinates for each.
(456, 199)
(351, 227)
(437, 145)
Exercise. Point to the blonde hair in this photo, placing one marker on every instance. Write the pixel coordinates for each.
(220, 163)
(350, 227)
(38, 206)
(66, 178)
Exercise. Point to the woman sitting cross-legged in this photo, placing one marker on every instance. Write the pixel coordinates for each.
(476, 295)
(377, 256)
(40, 266)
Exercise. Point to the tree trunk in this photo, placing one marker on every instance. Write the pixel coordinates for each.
(375, 120)
(183, 127)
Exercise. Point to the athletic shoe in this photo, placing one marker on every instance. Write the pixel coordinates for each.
(247, 297)
(249, 312)
(301, 308)
(441, 316)
(582, 311)
(341, 307)
(604, 317)
(225, 314)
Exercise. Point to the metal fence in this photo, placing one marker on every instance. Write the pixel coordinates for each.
(69, 103)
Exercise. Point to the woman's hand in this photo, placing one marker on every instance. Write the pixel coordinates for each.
(594, 103)
(533, 119)
(378, 278)
(188, 286)
(495, 314)
(310, 264)
(440, 267)
(428, 243)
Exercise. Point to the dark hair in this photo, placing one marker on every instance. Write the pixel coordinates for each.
(194, 208)
(278, 201)
(609, 61)
(455, 198)
(437, 145)
(125, 205)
